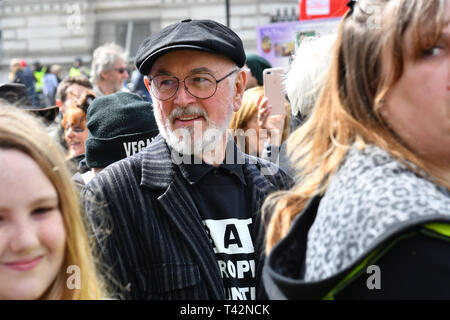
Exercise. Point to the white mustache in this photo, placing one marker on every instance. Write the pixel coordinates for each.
(188, 112)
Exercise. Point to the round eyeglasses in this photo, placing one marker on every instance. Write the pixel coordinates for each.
(199, 85)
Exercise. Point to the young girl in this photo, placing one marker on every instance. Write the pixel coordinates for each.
(44, 247)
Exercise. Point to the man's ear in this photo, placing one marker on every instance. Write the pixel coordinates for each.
(147, 84)
(240, 84)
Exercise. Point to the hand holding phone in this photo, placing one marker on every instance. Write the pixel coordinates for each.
(274, 90)
(276, 103)
(272, 124)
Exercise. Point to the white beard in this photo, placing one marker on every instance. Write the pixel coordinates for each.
(192, 140)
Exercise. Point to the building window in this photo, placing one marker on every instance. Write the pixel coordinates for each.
(128, 34)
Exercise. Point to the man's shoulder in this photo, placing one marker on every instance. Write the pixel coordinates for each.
(130, 170)
(267, 170)
(115, 174)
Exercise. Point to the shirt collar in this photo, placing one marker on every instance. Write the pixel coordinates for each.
(197, 169)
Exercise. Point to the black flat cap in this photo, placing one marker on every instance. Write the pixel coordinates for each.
(203, 35)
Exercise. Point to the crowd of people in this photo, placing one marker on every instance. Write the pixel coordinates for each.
(190, 188)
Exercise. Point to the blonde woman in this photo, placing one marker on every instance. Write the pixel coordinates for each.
(45, 252)
(370, 216)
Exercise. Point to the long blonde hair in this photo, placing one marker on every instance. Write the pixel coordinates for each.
(348, 106)
(21, 131)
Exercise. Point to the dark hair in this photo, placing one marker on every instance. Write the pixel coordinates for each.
(86, 100)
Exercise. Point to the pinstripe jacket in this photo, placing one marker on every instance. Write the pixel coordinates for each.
(150, 232)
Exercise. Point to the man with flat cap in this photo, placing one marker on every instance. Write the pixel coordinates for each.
(183, 216)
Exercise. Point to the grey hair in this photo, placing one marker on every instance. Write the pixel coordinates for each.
(307, 72)
(104, 58)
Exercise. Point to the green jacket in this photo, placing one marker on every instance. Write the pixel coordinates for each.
(39, 76)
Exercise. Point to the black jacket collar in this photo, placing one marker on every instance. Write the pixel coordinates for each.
(159, 163)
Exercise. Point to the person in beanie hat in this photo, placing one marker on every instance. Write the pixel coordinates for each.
(119, 125)
(185, 219)
(256, 64)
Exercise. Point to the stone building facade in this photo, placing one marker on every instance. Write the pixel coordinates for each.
(55, 31)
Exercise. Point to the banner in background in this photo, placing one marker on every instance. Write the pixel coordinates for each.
(317, 7)
(277, 41)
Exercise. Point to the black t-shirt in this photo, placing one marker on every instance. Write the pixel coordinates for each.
(220, 195)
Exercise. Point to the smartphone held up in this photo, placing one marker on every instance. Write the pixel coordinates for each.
(274, 90)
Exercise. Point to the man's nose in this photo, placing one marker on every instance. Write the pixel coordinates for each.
(182, 96)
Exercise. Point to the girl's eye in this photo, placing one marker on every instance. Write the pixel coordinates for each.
(434, 51)
(42, 210)
(76, 129)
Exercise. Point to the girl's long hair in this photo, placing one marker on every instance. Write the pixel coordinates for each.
(22, 131)
(367, 61)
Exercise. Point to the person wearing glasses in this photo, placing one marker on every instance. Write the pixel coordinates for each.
(184, 213)
(109, 69)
